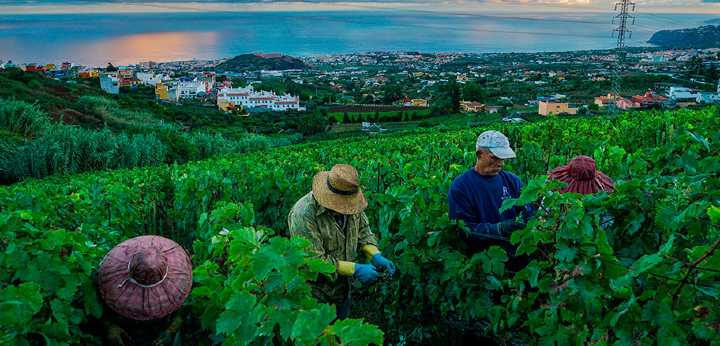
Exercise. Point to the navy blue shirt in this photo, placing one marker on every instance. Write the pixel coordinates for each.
(476, 199)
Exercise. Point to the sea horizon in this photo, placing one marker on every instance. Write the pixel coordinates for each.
(129, 38)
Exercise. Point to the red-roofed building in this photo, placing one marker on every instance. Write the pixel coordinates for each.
(648, 100)
(34, 68)
(604, 101)
(623, 103)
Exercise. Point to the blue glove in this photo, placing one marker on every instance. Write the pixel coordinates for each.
(382, 263)
(366, 273)
(506, 227)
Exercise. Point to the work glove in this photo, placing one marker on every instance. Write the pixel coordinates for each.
(366, 274)
(383, 264)
(506, 227)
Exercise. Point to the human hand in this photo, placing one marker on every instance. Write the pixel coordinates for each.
(384, 264)
(366, 274)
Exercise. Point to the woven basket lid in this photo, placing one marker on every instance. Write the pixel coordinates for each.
(145, 278)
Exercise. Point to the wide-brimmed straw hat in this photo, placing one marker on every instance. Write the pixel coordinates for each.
(582, 177)
(339, 190)
(145, 278)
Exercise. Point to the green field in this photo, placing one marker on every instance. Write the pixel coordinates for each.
(650, 277)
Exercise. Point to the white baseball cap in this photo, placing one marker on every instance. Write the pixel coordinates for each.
(497, 143)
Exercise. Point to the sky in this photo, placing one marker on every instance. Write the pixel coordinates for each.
(469, 6)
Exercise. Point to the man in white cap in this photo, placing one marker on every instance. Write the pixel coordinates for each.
(475, 196)
(331, 216)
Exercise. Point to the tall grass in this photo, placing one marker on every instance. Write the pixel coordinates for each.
(115, 116)
(22, 118)
(50, 148)
(67, 149)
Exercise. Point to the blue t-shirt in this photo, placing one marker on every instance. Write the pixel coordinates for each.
(476, 199)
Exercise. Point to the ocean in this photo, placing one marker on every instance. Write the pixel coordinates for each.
(96, 39)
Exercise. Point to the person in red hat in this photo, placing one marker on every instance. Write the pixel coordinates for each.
(582, 177)
(142, 281)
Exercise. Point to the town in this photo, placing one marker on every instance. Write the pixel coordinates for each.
(377, 86)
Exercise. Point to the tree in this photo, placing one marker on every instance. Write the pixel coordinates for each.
(694, 66)
(313, 123)
(454, 92)
(472, 91)
(391, 93)
(711, 73)
(448, 98)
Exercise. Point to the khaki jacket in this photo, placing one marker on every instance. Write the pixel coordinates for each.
(330, 242)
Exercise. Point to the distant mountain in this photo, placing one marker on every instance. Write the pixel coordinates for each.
(255, 62)
(703, 37)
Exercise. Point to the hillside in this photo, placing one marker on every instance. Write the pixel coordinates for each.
(59, 99)
(649, 276)
(56, 127)
(703, 37)
(68, 100)
(257, 62)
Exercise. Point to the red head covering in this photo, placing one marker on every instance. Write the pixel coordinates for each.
(582, 177)
(145, 278)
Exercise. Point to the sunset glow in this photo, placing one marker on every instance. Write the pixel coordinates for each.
(159, 46)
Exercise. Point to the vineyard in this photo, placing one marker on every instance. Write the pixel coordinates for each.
(651, 276)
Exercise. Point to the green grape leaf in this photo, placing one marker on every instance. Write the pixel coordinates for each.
(240, 317)
(714, 214)
(642, 265)
(310, 324)
(317, 265)
(566, 253)
(601, 241)
(19, 304)
(356, 333)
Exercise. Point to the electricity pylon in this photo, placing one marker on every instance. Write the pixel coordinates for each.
(623, 19)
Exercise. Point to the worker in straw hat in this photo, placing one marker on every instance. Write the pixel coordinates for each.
(142, 281)
(331, 216)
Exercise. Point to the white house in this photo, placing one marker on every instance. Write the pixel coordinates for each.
(249, 99)
(681, 94)
(189, 88)
(149, 78)
(109, 83)
(708, 98)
